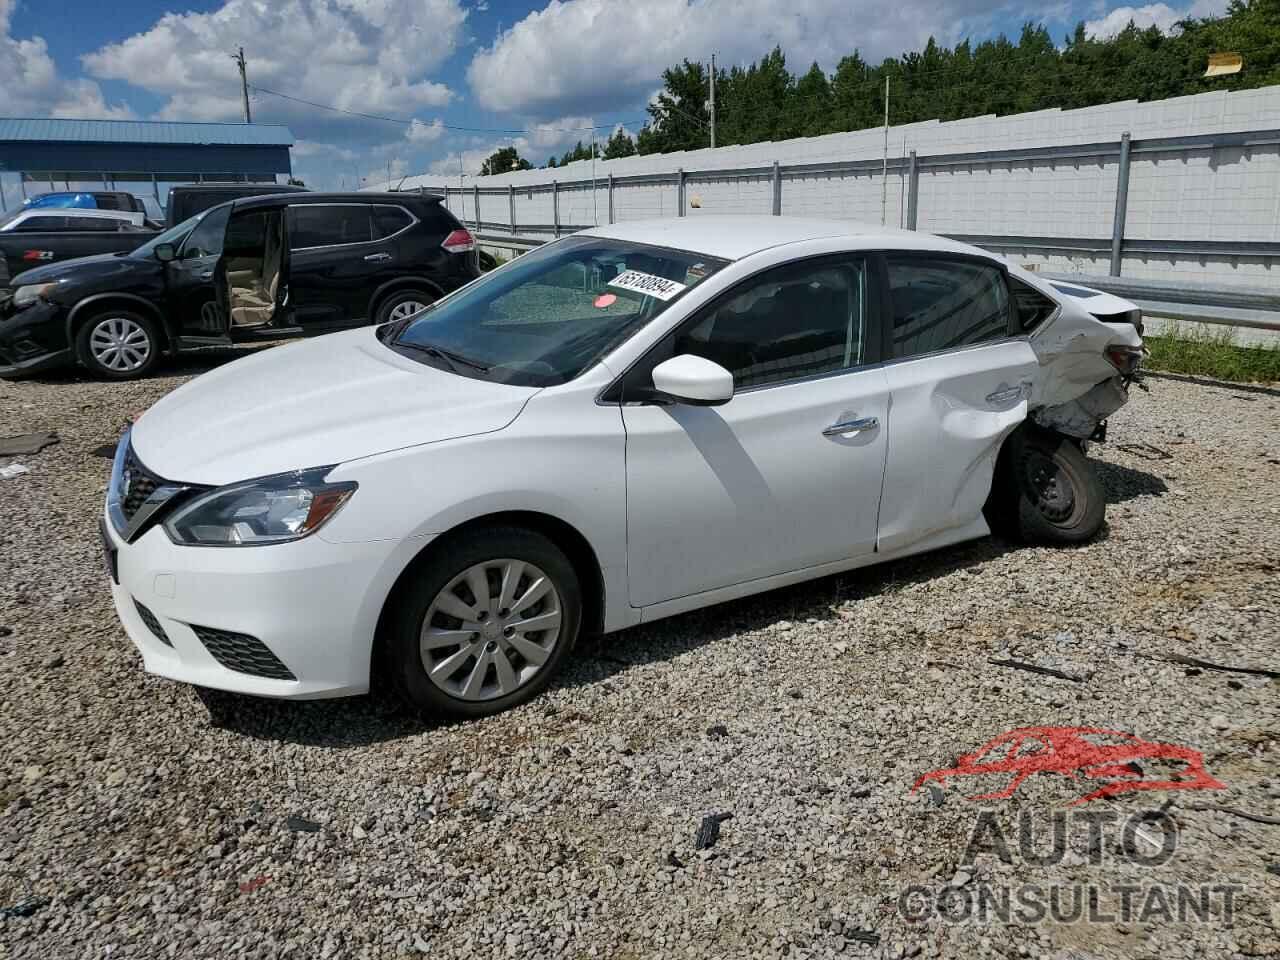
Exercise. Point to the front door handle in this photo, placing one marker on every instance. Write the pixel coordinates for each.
(207, 275)
(378, 257)
(1005, 394)
(851, 426)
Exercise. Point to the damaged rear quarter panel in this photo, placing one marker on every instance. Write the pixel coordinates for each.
(1076, 386)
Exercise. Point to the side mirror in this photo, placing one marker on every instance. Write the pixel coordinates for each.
(165, 252)
(695, 380)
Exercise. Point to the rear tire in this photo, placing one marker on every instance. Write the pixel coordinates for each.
(401, 304)
(118, 344)
(481, 660)
(1046, 490)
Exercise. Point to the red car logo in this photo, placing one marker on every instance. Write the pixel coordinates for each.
(1080, 752)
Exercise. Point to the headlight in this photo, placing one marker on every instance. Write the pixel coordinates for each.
(27, 295)
(277, 509)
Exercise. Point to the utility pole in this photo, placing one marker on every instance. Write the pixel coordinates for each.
(595, 217)
(244, 84)
(884, 172)
(713, 101)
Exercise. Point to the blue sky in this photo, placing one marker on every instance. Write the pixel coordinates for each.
(529, 73)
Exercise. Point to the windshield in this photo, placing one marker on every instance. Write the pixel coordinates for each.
(174, 235)
(550, 314)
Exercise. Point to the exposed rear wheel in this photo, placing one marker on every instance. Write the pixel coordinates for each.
(118, 344)
(484, 624)
(1046, 490)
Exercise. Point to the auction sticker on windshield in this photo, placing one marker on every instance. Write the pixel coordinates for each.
(647, 283)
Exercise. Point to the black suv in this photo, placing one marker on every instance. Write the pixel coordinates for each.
(260, 268)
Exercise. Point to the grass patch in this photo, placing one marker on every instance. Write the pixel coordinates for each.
(1215, 354)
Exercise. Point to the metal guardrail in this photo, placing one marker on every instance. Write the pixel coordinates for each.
(1254, 308)
(910, 165)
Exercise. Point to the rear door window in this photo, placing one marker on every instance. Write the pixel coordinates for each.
(388, 221)
(941, 304)
(38, 224)
(96, 224)
(328, 225)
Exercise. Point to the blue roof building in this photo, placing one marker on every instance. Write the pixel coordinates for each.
(142, 150)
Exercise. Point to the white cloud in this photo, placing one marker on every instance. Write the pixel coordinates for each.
(591, 55)
(33, 87)
(386, 176)
(540, 141)
(372, 56)
(1152, 15)
(421, 134)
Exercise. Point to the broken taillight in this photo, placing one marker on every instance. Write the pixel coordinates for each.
(1124, 358)
(459, 241)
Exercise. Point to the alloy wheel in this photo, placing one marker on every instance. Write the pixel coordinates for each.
(406, 309)
(120, 344)
(491, 629)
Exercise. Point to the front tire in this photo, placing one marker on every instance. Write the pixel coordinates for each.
(1049, 491)
(402, 304)
(484, 624)
(118, 344)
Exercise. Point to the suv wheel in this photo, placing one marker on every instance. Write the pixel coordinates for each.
(403, 304)
(118, 344)
(484, 624)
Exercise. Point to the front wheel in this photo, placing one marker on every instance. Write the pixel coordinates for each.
(118, 344)
(1047, 490)
(483, 624)
(402, 304)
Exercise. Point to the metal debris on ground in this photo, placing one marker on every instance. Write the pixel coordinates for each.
(25, 443)
(13, 470)
(301, 824)
(674, 861)
(863, 936)
(1236, 812)
(24, 908)
(718, 731)
(1035, 668)
(709, 831)
(1210, 665)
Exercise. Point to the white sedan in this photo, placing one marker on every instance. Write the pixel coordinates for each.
(625, 424)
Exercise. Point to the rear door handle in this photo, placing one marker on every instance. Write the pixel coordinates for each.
(844, 427)
(378, 257)
(1005, 394)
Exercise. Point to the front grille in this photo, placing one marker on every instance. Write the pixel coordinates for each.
(242, 653)
(152, 623)
(138, 484)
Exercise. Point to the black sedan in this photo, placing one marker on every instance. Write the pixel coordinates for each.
(262, 268)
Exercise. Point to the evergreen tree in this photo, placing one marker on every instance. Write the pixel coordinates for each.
(763, 101)
(619, 145)
(504, 161)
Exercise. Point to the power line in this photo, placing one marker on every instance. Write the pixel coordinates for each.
(448, 126)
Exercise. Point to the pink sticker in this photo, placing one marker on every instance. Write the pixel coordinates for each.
(606, 300)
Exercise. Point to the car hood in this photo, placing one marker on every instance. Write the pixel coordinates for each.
(312, 403)
(78, 269)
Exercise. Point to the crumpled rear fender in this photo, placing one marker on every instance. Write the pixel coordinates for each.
(1077, 386)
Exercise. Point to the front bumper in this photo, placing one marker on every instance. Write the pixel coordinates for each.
(33, 340)
(312, 605)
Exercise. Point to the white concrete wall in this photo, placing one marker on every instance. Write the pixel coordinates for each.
(1229, 193)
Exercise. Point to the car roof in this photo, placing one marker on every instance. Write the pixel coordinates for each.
(734, 237)
(81, 212)
(313, 197)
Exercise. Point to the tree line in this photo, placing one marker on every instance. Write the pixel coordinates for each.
(766, 101)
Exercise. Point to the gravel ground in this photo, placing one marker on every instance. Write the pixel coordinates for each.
(134, 826)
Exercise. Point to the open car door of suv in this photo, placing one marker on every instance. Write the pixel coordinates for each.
(252, 276)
